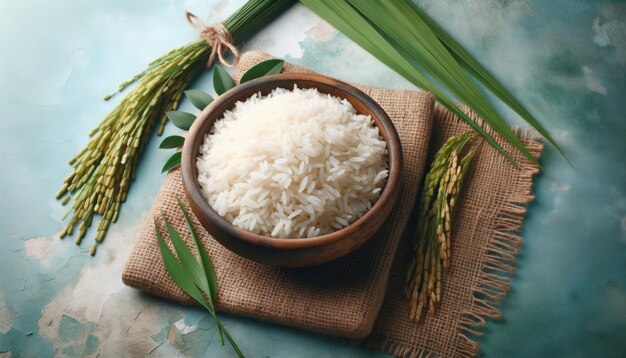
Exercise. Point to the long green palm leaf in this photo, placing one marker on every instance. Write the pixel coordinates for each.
(349, 21)
(478, 71)
(399, 22)
(398, 34)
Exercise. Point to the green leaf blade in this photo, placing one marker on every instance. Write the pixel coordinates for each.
(399, 22)
(210, 287)
(466, 61)
(472, 123)
(417, 47)
(265, 68)
(222, 81)
(230, 339)
(180, 119)
(199, 99)
(177, 272)
(474, 67)
(172, 162)
(187, 259)
(205, 260)
(171, 142)
(476, 70)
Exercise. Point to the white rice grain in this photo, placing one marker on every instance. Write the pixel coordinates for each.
(292, 164)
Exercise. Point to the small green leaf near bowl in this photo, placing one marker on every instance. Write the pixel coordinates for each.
(222, 81)
(172, 163)
(261, 69)
(171, 142)
(182, 120)
(199, 99)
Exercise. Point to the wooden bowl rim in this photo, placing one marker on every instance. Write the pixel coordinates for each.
(287, 80)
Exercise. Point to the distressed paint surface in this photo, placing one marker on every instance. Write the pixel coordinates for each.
(565, 59)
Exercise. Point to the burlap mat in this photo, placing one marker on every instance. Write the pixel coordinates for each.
(340, 298)
(345, 297)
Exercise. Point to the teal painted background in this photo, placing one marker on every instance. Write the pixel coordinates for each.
(565, 59)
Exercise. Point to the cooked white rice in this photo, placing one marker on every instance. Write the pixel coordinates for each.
(292, 164)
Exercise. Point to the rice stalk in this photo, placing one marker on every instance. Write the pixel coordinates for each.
(104, 169)
(433, 237)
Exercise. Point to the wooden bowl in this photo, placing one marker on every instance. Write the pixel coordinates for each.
(296, 252)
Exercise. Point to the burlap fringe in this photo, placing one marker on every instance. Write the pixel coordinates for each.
(397, 349)
(498, 263)
(501, 254)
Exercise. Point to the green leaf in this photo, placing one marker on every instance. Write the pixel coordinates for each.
(205, 282)
(391, 32)
(199, 99)
(173, 141)
(207, 268)
(187, 259)
(182, 120)
(230, 339)
(205, 260)
(399, 21)
(177, 272)
(172, 162)
(367, 36)
(222, 81)
(476, 69)
(268, 67)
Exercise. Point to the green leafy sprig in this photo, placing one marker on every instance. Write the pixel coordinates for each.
(195, 278)
(222, 82)
(403, 37)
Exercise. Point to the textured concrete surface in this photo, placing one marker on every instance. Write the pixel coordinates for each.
(566, 59)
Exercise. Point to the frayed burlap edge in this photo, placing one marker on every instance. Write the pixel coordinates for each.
(500, 257)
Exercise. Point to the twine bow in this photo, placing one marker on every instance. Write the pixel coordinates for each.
(218, 37)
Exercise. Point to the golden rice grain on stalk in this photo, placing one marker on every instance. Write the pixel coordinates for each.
(433, 237)
(103, 169)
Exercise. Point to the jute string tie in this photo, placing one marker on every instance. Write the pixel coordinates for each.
(218, 37)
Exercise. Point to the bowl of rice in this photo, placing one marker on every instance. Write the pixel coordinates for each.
(292, 169)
